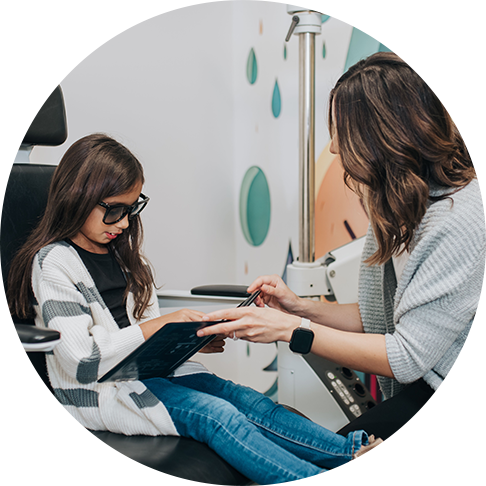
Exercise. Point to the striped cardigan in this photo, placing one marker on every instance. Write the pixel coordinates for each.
(67, 300)
(427, 314)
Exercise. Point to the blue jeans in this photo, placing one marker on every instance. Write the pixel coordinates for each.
(263, 440)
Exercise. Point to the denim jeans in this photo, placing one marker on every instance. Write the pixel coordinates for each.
(263, 440)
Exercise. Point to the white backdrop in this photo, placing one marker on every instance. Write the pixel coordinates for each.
(164, 88)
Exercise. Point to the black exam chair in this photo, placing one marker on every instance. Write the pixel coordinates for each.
(24, 203)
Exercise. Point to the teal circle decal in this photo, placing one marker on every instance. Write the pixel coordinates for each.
(255, 206)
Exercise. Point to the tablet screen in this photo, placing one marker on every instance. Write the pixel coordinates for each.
(162, 353)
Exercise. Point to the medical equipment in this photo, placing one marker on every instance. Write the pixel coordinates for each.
(306, 24)
(328, 394)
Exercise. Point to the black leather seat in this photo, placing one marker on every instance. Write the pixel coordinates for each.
(24, 203)
(177, 456)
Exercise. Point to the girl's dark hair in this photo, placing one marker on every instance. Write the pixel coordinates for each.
(395, 140)
(93, 168)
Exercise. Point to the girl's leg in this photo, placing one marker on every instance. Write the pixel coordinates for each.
(298, 435)
(219, 424)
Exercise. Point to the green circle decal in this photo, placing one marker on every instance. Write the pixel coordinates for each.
(255, 206)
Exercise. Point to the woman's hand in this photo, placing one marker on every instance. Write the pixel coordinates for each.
(275, 294)
(355, 350)
(215, 346)
(255, 324)
(184, 315)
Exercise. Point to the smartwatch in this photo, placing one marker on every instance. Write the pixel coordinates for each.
(302, 338)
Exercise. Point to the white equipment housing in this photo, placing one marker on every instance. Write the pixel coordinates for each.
(310, 384)
(335, 274)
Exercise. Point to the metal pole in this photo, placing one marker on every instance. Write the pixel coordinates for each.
(307, 146)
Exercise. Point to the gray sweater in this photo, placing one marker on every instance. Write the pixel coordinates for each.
(426, 317)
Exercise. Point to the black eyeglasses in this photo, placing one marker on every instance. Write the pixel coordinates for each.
(117, 212)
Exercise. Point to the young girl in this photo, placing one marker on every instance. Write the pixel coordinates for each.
(423, 260)
(81, 273)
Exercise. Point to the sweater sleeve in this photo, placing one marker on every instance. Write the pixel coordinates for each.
(91, 342)
(439, 291)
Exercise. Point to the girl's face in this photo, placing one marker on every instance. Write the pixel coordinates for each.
(94, 234)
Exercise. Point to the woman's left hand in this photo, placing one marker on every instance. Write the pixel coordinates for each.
(215, 346)
(255, 324)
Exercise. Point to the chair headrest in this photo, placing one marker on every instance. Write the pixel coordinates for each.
(49, 126)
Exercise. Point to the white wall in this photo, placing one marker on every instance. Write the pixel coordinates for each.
(164, 88)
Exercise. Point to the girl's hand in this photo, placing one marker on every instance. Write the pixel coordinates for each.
(252, 324)
(215, 346)
(184, 315)
(275, 294)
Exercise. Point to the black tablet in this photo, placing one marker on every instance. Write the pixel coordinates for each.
(162, 353)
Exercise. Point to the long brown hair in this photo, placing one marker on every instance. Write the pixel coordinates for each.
(395, 140)
(93, 168)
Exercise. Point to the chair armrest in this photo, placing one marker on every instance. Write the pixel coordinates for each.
(221, 290)
(36, 339)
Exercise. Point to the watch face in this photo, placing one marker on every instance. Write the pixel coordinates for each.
(301, 341)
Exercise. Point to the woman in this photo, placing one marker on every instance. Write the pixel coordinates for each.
(81, 273)
(423, 260)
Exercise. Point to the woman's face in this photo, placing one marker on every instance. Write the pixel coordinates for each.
(360, 189)
(94, 234)
(333, 148)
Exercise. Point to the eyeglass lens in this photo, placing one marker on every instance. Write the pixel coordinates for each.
(113, 215)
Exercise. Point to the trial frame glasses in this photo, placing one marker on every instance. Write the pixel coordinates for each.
(116, 212)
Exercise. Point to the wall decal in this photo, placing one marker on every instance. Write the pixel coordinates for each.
(361, 46)
(252, 67)
(276, 100)
(255, 206)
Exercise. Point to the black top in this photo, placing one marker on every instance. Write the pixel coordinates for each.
(109, 280)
